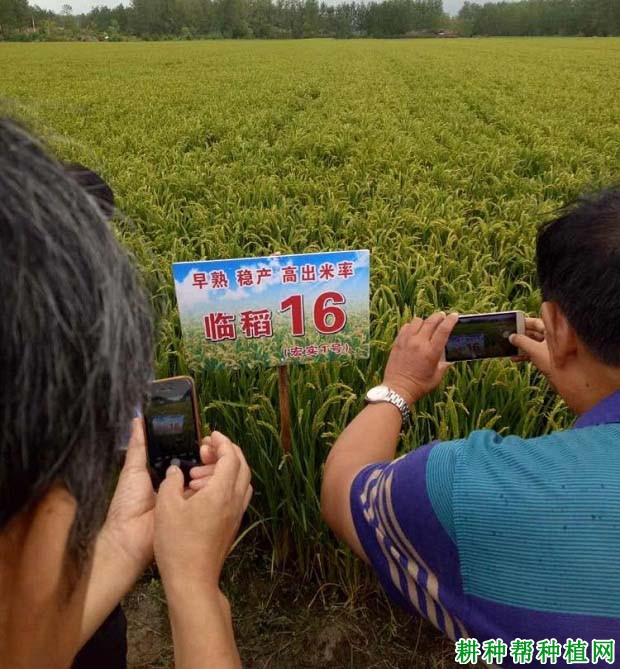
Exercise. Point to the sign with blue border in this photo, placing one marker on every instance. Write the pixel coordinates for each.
(275, 310)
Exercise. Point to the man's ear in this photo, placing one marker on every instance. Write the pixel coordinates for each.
(559, 334)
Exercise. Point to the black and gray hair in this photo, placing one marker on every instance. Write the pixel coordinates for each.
(75, 338)
(578, 260)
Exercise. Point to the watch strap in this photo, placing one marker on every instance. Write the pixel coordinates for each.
(399, 402)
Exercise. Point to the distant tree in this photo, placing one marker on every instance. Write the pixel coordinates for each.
(262, 18)
(47, 27)
(156, 17)
(14, 15)
(542, 17)
(114, 29)
(311, 18)
(308, 18)
(233, 18)
(69, 23)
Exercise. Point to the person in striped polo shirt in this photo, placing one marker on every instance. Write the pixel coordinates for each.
(510, 546)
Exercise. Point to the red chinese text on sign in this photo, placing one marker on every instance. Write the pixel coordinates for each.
(308, 273)
(263, 273)
(345, 269)
(256, 324)
(289, 274)
(219, 279)
(245, 277)
(219, 326)
(327, 271)
(200, 280)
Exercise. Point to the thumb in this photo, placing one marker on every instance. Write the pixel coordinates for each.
(136, 451)
(219, 443)
(172, 486)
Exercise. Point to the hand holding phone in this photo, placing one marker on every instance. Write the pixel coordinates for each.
(172, 427)
(193, 536)
(533, 345)
(415, 367)
(194, 533)
(481, 336)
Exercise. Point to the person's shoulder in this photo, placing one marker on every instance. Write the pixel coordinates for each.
(478, 446)
(524, 509)
(487, 453)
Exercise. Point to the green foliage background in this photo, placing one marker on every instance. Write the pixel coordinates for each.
(439, 156)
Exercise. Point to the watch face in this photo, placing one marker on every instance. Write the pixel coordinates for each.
(377, 393)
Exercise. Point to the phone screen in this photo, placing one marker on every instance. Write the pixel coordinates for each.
(482, 336)
(171, 427)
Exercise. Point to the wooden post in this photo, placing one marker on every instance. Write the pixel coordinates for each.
(284, 393)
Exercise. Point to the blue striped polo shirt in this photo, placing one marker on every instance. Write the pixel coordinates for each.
(501, 537)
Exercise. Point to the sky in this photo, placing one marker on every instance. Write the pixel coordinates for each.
(83, 6)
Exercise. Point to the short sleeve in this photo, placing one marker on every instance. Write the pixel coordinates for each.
(440, 473)
(404, 539)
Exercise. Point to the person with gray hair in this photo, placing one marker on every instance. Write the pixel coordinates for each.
(75, 359)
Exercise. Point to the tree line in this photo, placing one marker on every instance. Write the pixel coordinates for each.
(266, 19)
(226, 19)
(541, 17)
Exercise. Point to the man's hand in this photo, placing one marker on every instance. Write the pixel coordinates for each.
(415, 367)
(129, 523)
(533, 345)
(193, 534)
(124, 546)
(200, 475)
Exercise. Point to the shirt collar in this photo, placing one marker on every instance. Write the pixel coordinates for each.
(606, 411)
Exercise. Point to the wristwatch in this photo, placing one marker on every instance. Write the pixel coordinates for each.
(380, 394)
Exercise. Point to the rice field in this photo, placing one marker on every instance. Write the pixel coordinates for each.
(441, 157)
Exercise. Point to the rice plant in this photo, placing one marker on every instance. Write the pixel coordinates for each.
(441, 157)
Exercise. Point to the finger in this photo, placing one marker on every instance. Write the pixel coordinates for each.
(535, 335)
(403, 334)
(444, 330)
(171, 488)
(416, 324)
(430, 325)
(220, 441)
(199, 484)
(208, 456)
(440, 339)
(136, 451)
(536, 324)
(200, 472)
(527, 346)
(228, 463)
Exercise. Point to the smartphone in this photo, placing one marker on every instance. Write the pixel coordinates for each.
(172, 427)
(479, 336)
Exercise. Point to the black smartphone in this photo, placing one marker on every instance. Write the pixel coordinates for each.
(479, 336)
(172, 427)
